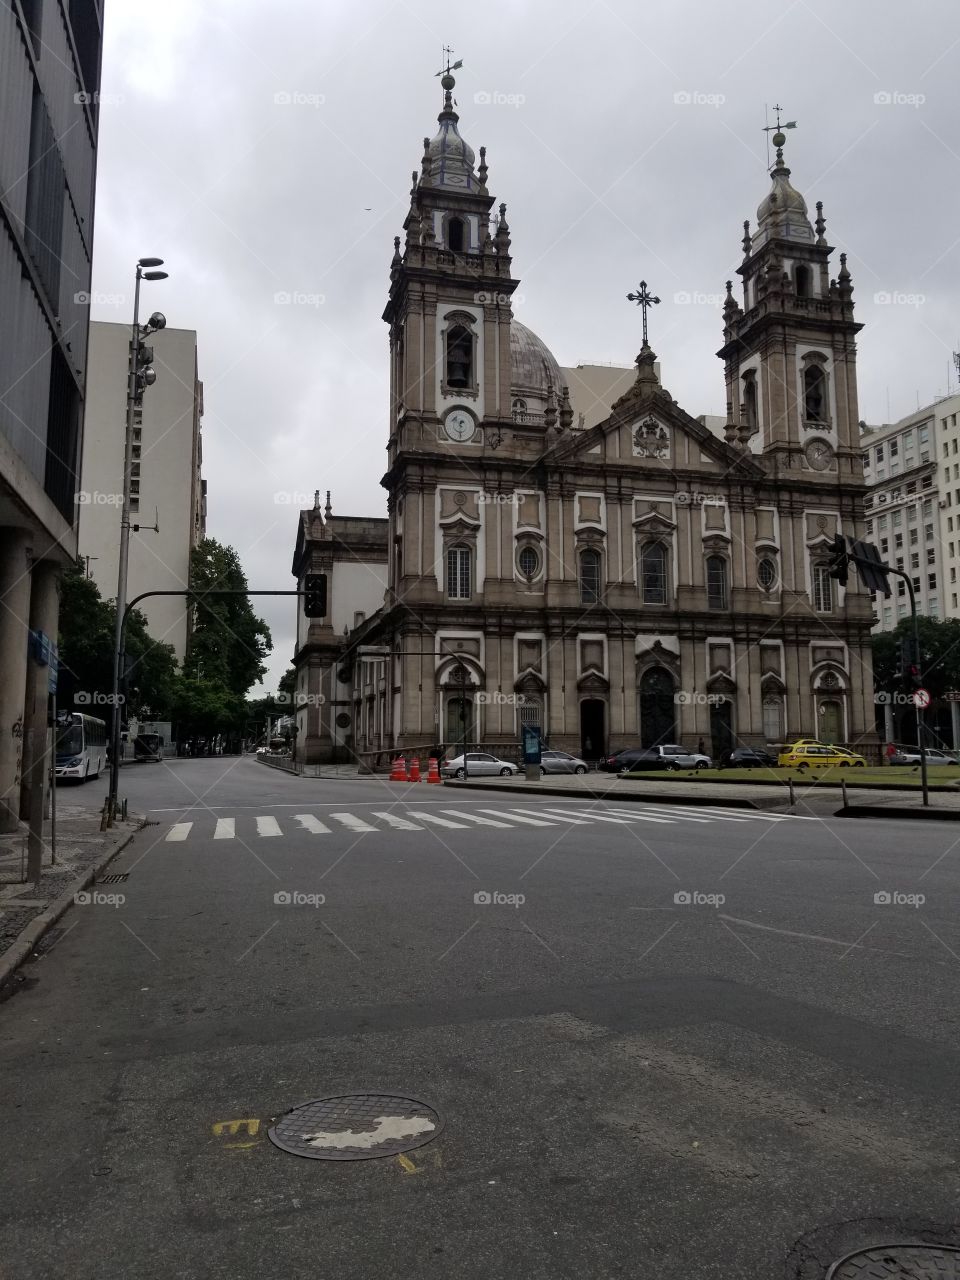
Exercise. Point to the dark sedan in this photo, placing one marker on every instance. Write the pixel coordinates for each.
(747, 758)
(633, 758)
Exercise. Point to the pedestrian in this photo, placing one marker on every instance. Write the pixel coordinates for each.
(891, 751)
(700, 747)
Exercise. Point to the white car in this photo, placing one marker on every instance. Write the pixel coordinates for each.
(479, 764)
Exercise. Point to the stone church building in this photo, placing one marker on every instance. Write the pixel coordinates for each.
(641, 580)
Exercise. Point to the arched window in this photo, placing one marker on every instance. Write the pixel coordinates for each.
(814, 394)
(455, 235)
(716, 582)
(459, 357)
(458, 573)
(589, 576)
(802, 280)
(767, 573)
(822, 589)
(653, 573)
(528, 561)
(750, 415)
(773, 718)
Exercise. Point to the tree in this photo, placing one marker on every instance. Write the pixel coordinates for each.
(86, 645)
(939, 655)
(229, 643)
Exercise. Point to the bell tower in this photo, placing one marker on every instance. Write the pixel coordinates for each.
(789, 346)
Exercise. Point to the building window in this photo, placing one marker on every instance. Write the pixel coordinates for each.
(822, 589)
(915, 560)
(898, 540)
(773, 719)
(884, 545)
(653, 573)
(528, 561)
(913, 537)
(459, 357)
(589, 576)
(458, 573)
(716, 582)
(802, 278)
(931, 582)
(933, 607)
(894, 448)
(767, 573)
(750, 414)
(455, 235)
(879, 452)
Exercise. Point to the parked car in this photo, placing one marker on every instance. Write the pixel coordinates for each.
(562, 762)
(911, 755)
(667, 756)
(819, 757)
(479, 764)
(747, 758)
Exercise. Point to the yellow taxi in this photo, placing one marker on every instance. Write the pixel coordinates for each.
(818, 755)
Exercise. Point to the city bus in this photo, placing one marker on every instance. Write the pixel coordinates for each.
(147, 747)
(81, 746)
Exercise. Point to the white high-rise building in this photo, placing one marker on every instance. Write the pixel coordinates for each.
(167, 489)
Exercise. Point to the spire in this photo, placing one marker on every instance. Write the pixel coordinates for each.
(566, 409)
(482, 169)
(844, 286)
(450, 159)
(783, 214)
(730, 307)
(503, 231)
(820, 224)
(746, 237)
(328, 510)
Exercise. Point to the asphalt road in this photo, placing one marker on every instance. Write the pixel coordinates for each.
(630, 1084)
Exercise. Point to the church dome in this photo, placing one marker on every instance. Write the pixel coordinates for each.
(450, 158)
(782, 215)
(532, 365)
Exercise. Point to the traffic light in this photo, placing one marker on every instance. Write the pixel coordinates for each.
(908, 662)
(839, 559)
(315, 595)
(873, 573)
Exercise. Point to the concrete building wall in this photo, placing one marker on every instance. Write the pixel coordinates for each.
(169, 465)
(594, 388)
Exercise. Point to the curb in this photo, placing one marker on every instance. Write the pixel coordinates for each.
(898, 811)
(18, 951)
(731, 802)
(949, 788)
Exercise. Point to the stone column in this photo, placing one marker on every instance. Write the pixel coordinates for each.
(44, 611)
(14, 625)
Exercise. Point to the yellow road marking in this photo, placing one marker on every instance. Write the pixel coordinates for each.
(234, 1126)
(407, 1165)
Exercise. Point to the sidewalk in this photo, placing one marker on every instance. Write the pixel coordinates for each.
(27, 910)
(811, 801)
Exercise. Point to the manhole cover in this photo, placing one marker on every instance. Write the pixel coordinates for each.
(355, 1126)
(899, 1262)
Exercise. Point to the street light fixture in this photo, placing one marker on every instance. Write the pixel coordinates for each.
(140, 376)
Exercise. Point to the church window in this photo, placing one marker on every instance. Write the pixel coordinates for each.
(529, 561)
(767, 573)
(455, 235)
(653, 573)
(589, 576)
(815, 395)
(459, 357)
(750, 414)
(802, 277)
(458, 573)
(716, 582)
(822, 589)
(773, 718)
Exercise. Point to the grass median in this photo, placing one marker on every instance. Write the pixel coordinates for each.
(946, 777)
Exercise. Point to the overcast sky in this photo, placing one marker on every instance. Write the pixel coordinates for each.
(267, 150)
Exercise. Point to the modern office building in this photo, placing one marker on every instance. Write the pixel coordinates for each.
(168, 493)
(49, 88)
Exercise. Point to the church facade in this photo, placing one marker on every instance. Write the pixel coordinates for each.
(642, 580)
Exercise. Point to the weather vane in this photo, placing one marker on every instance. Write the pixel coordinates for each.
(779, 137)
(643, 298)
(445, 70)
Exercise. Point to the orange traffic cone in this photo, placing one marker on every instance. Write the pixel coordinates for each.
(399, 771)
(433, 773)
(414, 769)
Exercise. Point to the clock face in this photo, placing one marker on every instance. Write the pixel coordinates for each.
(819, 454)
(459, 426)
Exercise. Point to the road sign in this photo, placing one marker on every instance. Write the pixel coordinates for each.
(921, 698)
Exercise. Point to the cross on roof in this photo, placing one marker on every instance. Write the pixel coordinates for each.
(644, 299)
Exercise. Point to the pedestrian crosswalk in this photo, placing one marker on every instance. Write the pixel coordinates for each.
(439, 820)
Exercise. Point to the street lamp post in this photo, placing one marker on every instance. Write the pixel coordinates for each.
(140, 375)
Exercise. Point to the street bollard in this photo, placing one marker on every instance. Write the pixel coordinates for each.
(790, 785)
(843, 788)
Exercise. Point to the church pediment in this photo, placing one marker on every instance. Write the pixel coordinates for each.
(593, 682)
(720, 682)
(655, 521)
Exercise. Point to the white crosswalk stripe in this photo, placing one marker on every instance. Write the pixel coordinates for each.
(395, 820)
(475, 817)
(179, 831)
(226, 829)
(268, 827)
(578, 822)
(352, 822)
(312, 824)
(516, 817)
(441, 822)
(645, 810)
(605, 817)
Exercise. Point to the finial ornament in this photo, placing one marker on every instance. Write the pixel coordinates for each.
(821, 223)
(328, 510)
(779, 137)
(746, 236)
(644, 299)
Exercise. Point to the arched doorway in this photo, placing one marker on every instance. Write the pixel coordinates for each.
(657, 707)
(593, 728)
(831, 720)
(721, 728)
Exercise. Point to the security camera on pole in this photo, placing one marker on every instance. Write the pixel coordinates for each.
(141, 375)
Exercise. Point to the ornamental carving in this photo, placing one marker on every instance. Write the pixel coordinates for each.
(651, 440)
